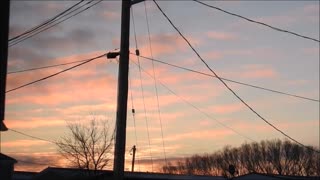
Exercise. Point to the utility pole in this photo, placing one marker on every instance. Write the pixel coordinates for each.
(133, 157)
(4, 33)
(121, 119)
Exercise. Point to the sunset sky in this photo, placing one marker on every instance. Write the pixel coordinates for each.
(236, 49)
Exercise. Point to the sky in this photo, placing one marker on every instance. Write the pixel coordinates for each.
(194, 109)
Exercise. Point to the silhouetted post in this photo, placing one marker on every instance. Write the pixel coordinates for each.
(4, 33)
(133, 157)
(120, 144)
(5, 9)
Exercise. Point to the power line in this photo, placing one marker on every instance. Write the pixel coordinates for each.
(195, 107)
(257, 22)
(44, 67)
(134, 118)
(33, 137)
(45, 22)
(184, 68)
(142, 91)
(233, 81)
(155, 84)
(38, 138)
(48, 27)
(55, 74)
(43, 27)
(233, 92)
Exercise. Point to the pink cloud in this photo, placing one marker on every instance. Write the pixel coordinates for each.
(282, 20)
(252, 71)
(201, 134)
(226, 109)
(36, 162)
(34, 123)
(311, 9)
(263, 73)
(311, 51)
(213, 55)
(55, 91)
(23, 143)
(163, 44)
(221, 35)
(86, 108)
(110, 15)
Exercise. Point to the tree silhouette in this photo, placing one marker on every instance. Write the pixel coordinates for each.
(270, 157)
(87, 146)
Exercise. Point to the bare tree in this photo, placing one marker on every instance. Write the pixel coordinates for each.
(87, 146)
(270, 156)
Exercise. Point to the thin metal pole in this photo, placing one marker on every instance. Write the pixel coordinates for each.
(119, 152)
(133, 157)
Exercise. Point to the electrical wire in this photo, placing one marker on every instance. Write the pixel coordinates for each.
(155, 84)
(134, 122)
(195, 107)
(233, 81)
(55, 74)
(233, 92)
(44, 26)
(257, 22)
(134, 117)
(48, 27)
(41, 139)
(184, 68)
(45, 22)
(142, 92)
(44, 67)
(30, 136)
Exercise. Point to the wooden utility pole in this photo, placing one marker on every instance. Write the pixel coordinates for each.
(4, 33)
(121, 119)
(133, 157)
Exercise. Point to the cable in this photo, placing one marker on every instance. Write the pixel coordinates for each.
(155, 84)
(38, 138)
(18, 41)
(142, 93)
(195, 107)
(55, 74)
(134, 117)
(233, 81)
(45, 22)
(44, 26)
(233, 92)
(33, 137)
(184, 68)
(47, 26)
(44, 67)
(257, 22)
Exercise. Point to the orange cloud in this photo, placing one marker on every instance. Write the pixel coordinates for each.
(201, 134)
(34, 123)
(23, 143)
